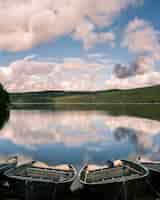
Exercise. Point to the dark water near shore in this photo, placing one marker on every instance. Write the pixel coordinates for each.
(78, 136)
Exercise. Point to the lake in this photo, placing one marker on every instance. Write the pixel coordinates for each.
(78, 136)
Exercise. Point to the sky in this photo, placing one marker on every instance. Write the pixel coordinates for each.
(79, 45)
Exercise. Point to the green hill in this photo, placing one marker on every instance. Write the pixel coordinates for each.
(139, 95)
(115, 102)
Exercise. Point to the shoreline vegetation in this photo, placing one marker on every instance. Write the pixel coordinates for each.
(141, 102)
(4, 106)
(139, 95)
(4, 99)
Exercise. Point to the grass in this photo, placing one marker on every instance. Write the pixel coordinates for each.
(142, 95)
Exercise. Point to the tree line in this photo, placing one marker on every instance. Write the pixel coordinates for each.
(4, 97)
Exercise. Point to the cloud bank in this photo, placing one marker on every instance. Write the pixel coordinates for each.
(68, 74)
(30, 74)
(25, 24)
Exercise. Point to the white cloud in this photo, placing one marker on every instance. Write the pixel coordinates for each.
(141, 37)
(24, 24)
(141, 65)
(31, 57)
(85, 32)
(137, 81)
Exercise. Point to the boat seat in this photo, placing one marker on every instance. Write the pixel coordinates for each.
(65, 173)
(47, 174)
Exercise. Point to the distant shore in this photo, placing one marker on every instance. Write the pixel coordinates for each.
(132, 96)
(82, 103)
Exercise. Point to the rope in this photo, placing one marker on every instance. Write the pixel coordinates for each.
(124, 188)
(26, 190)
(54, 192)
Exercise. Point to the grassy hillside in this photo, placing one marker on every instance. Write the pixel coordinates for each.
(60, 100)
(41, 97)
(140, 95)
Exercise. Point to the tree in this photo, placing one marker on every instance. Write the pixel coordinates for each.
(4, 97)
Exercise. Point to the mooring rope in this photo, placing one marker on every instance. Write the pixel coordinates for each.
(54, 192)
(124, 187)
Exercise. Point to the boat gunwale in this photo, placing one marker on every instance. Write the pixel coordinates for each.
(115, 180)
(30, 179)
(6, 165)
(151, 162)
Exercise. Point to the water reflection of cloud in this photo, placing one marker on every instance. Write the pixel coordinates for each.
(145, 125)
(72, 129)
(94, 131)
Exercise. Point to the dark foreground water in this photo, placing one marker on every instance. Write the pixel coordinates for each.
(78, 136)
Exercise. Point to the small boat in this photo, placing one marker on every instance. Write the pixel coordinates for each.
(39, 180)
(122, 179)
(154, 178)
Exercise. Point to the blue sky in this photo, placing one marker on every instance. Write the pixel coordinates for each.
(124, 32)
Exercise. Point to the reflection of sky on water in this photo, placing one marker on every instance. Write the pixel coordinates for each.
(79, 136)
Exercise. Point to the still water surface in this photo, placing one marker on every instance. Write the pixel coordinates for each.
(78, 136)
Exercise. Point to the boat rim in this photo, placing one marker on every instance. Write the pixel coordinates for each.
(151, 162)
(30, 179)
(146, 173)
(7, 163)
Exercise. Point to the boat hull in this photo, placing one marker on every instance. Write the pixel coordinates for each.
(38, 190)
(37, 187)
(121, 189)
(154, 177)
(129, 190)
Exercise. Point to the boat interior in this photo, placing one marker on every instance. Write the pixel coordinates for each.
(43, 174)
(105, 174)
